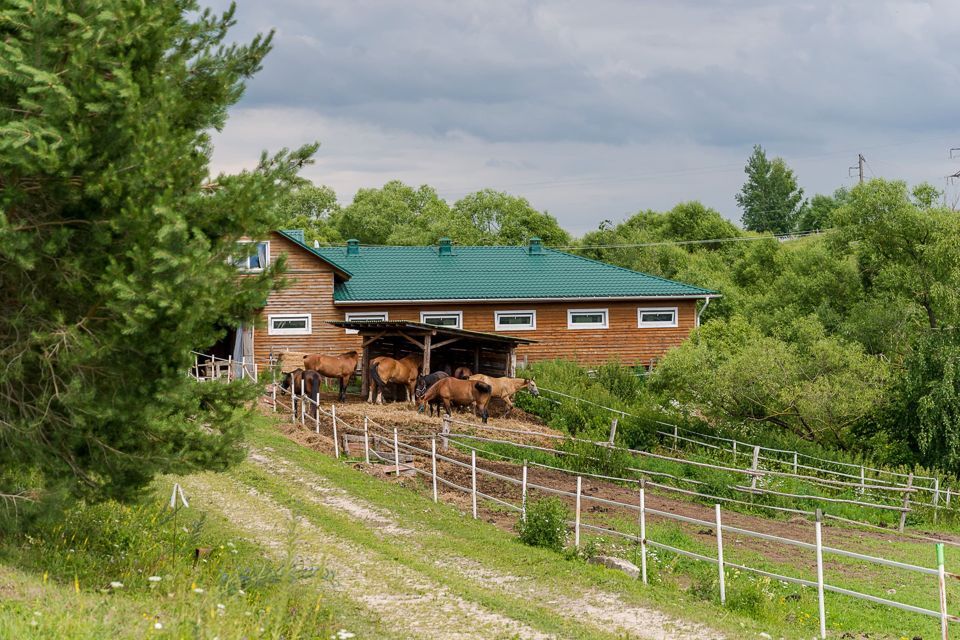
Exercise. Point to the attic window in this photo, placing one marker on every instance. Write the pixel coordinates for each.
(253, 259)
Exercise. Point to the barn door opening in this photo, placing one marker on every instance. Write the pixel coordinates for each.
(242, 341)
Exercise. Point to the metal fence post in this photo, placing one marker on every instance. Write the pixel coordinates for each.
(303, 404)
(433, 460)
(576, 521)
(523, 494)
(333, 415)
(396, 450)
(942, 581)
(316, 421)
(723, 585)
(820, 602)
(643, 531)
(366, 440)
(473, 481)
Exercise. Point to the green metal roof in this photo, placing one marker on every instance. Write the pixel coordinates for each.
(392, 274)
(296, 236)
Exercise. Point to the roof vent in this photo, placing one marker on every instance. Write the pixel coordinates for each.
(353, 247)
(316, 244)
(535, 247)
(446, 247)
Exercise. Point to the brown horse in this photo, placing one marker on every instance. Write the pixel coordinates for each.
(506, 388)
(385, 370)
(454, 391)
(462, 373)
(340, 367)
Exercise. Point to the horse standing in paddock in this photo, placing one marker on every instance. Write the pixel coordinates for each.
(385, 370)
(463, 373)
(453, 391)
(427, 381)
(311, 386)
(340, 367)
(506, 388)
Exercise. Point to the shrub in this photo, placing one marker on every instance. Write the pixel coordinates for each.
(545, 524)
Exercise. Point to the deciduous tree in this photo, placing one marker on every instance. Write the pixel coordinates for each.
(770, 198)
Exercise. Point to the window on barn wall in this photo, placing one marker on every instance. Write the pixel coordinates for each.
(452, 319)
(587, 319)
(293, 324)
(365, 317)
(515, 320)
(659, 317)
(254, 258)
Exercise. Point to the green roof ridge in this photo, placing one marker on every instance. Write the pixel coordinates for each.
(615, 266)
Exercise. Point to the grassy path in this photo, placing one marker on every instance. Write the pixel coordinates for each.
(421, 568)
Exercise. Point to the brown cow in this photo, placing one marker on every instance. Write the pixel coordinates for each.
(340, 367)
(505, 388)
(385, 370)
(453, 391)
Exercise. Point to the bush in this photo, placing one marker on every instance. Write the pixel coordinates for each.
(545, 525)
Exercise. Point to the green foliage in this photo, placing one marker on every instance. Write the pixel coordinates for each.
(115, 246)
(312, 209)
(801, 379)
(388, 215)
(545, 524)
(770, 198)
(819, 214)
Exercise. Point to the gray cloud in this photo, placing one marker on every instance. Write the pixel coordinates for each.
(602, 107)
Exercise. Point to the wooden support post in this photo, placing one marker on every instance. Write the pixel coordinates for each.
(229, 368)
(365, 373)
(755, 465)
(643, 531)
(613, 431)
(523, 493)
(795, 467)
(734, 450)
(576, 520)
(426, 354)
(676, 438)
(396, 450)
(906, 502)
(935, 500)
(723, 585)
(942, 584)
(947, 503)
(433, 461)
(512, 372)
(863, 479)
(333, 418)
(444, 430)
(196, 367)
(820, 603)
(273, 396)
(473, 481)
(366, 440)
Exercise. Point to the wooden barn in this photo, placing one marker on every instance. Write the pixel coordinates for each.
(556, 304)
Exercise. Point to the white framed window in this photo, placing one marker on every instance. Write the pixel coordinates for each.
(378, 316)
(515, 320)
(290, 324)
(452, 319)
(256, 260)
(657, 317)
(587, 319)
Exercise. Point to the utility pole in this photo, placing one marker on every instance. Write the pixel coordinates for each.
(860, 162)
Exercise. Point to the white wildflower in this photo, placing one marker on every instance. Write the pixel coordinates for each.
(158, 625)
(154, 578)
(116, 585)
(197, 590)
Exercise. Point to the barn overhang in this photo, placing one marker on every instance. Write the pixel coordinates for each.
(441, 347)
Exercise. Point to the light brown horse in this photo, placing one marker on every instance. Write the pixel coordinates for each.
(505, 388)
(385, 370)
(340, 367)
(454, 391)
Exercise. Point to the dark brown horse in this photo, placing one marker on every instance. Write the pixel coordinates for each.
(462, 373)
(453, 391)
(310, 381)
(385, 370)
(340, 367)
(427, 381)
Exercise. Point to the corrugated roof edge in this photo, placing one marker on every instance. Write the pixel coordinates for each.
(709, 292)
(309, 249)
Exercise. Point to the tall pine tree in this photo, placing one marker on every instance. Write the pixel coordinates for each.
(770, 198)
(115, 242)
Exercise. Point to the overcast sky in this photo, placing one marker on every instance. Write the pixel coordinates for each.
(594, 110)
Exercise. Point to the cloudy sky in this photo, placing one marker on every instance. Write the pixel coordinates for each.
(593, 110)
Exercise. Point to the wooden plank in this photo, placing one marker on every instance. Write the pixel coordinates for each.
(426, 354)
(445, 343)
